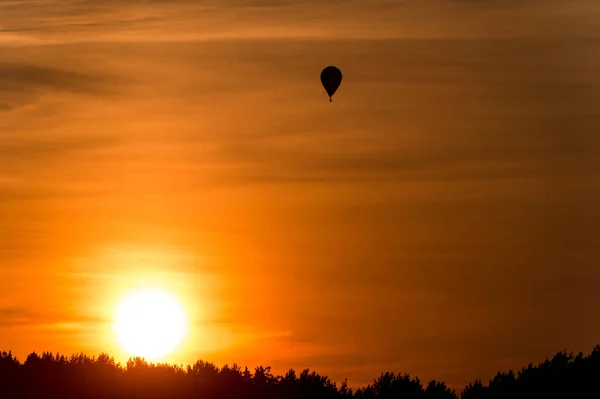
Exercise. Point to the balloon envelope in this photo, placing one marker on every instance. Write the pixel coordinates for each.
(331, 78)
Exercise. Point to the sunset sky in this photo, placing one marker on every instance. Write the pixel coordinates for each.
(441, 217)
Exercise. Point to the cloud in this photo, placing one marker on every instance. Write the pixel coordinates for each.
(260, 162)
(22, 83)
(57, 21)
(438, 111)
(12, 316)
(16, 316)
(28, 76)
(58, 147)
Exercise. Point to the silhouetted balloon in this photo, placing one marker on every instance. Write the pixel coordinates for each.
(331, 78)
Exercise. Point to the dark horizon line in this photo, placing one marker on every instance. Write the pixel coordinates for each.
(134, 359)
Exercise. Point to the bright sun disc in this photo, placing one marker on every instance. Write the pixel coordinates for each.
(150, 324)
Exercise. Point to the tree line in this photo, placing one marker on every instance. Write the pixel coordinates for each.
(81, 376)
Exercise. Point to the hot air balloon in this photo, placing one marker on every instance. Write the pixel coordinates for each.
(331, 78)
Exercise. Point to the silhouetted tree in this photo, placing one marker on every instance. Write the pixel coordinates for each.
(80, 376)
(439, 390)
(475, 390)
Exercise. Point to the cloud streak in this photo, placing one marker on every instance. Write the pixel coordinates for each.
(77, 20)
(18, 77)
(17, 316)
(22, 83)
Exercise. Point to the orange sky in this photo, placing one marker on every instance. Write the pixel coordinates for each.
(440, 218)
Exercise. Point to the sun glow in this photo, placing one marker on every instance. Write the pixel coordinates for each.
(150, 324)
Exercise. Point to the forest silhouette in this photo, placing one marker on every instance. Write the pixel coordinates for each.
(90, 377)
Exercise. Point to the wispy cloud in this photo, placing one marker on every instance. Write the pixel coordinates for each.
(22, 76)
(22, 83)
(29, 22)
(17, 316)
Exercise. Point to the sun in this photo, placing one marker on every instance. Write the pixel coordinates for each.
(150, 324)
